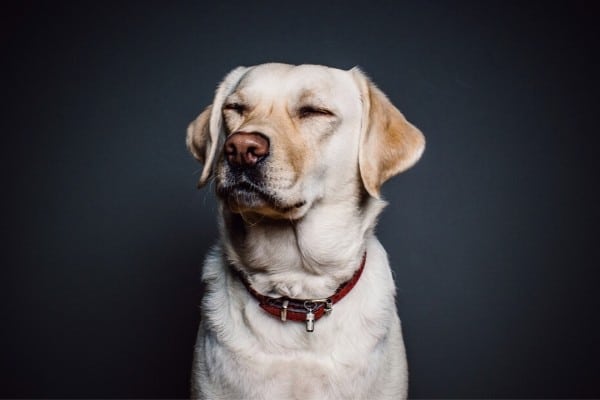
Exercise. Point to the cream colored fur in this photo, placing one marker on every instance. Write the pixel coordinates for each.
(323, 175)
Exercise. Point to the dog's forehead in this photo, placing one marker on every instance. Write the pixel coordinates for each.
(302, 81)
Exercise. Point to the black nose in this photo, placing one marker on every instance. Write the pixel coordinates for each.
(245, 149)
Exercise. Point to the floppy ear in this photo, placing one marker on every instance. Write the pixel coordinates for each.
(205, 134)
(198, 136)
(389, 144)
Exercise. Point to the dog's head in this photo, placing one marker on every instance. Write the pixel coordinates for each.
(279, 138)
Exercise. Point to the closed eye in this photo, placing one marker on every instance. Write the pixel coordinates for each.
(312, 111)
(237, 107)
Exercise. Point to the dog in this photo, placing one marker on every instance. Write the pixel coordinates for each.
(299, 300)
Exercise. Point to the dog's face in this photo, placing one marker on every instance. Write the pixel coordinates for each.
(279, 138)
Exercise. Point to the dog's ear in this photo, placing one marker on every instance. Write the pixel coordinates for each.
(389, 144)
(198, 135)
(205, 134)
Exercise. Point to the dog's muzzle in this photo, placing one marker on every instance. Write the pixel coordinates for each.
(244, 184)
(243, 181)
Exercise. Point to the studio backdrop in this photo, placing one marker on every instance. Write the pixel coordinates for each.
(491, 236)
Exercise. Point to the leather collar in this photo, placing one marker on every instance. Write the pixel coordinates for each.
(302, 310)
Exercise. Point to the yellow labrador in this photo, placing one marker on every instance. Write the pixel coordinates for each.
(299, 296)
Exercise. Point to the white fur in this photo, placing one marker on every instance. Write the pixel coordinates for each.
(242, 352)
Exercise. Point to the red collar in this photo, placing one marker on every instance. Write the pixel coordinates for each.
(306, 310)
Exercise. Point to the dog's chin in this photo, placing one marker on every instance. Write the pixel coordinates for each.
(256, 203)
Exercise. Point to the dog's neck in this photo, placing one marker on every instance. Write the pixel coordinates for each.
(305, 258)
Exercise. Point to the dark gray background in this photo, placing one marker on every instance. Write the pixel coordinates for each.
(493, 235)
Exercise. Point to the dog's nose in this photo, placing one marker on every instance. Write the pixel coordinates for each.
(246, 148)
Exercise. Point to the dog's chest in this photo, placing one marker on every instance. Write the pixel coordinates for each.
(255, 372)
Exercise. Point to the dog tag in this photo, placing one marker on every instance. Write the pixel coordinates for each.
(310, 321)
(284, 308)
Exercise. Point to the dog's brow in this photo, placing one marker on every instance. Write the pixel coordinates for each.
(307, 95)
(312, 98)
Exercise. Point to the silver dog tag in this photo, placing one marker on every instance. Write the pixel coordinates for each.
(310, 321)
(284, 308)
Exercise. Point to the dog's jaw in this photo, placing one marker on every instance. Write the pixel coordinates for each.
(248, 199)
(257, 192)
(255, 205)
